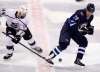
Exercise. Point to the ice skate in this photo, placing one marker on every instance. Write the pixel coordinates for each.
(78, 62)
(8, 56)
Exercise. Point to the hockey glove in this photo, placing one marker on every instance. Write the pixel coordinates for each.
(16, 39)
(18, 36)
(90, 30)
(86, 30)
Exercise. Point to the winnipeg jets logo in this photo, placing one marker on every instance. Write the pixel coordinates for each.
(83, 25)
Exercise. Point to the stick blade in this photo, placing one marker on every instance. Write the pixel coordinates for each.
(50, 61)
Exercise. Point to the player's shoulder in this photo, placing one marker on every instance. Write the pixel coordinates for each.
(11, 13)
(81, 12)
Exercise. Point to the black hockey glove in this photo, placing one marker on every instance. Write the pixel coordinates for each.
(90, 30)
(18, 36)
(16, 39)
(86, 30)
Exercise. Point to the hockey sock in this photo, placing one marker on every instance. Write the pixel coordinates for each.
(32, 43)
(81, 52)
(10, 49)
(54, 52)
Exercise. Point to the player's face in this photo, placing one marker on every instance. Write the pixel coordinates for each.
(21, 15)
(88, 13)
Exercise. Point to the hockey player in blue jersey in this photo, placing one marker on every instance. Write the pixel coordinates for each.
(76, 27)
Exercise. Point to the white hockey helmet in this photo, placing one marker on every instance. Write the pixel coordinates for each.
(21, 12)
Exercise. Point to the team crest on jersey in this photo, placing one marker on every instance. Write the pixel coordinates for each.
(83, 25)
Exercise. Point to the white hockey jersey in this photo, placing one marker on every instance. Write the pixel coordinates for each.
(13, 22)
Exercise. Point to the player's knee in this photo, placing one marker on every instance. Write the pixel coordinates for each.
(31, 43)
(84, 43)
(8, 41)
(63, 45)
(27, 37)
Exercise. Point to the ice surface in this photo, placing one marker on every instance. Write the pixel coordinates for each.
(55, 11)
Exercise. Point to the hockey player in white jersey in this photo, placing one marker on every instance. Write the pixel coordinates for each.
(16, 26)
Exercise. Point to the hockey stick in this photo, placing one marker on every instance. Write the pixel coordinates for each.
(47, 60)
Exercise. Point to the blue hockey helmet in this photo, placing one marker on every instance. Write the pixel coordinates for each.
(91, 7)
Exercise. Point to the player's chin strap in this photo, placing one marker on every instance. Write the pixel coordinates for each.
(47, 60)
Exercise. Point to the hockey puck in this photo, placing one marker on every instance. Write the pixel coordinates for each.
(79, 0)
(60, 59)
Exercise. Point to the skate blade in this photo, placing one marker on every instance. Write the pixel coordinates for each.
(78, 66)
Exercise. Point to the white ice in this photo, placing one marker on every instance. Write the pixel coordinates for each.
(56, 12)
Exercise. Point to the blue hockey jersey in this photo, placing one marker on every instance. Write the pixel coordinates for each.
(79, 18)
